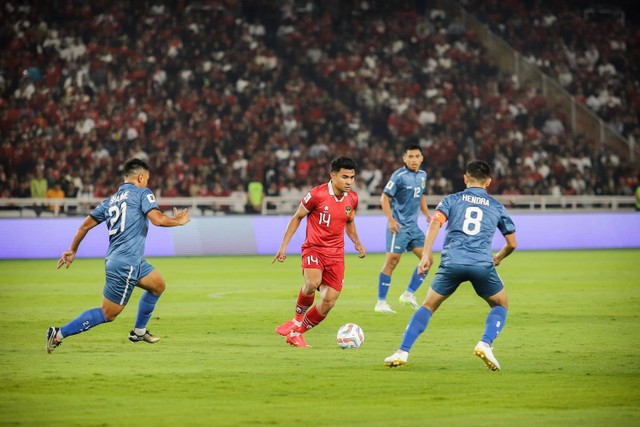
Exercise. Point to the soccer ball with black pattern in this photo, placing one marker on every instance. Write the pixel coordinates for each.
(350, 336)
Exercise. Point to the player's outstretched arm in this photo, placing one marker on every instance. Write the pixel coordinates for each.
(159, 219)
(427, 255)
(292, 227)
(69, 255)
(350, 228)
(507, 249)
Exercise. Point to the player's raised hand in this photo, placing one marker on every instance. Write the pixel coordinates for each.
(183, 216)
(425, 262)
(280, 256)
(66, 258)
(362, 251)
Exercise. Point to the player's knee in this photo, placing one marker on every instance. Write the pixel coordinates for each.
(109, 315)
(159, 287)
(310, 286)
(392, 263)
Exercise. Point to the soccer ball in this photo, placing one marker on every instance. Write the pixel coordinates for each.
(350, 336)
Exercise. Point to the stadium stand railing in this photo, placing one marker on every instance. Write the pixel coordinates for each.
(235, 205)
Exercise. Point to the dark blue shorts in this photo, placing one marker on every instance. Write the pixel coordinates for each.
(122, 277)
(484, 278)
(407, 239)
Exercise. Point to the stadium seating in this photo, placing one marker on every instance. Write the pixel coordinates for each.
(215, 95)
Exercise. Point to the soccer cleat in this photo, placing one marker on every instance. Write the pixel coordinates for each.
(485, 352)
(147, 337)
(52, 339)
(286, 328)
(383, 307)
(410, 301)
(296, 340)
(397, 359)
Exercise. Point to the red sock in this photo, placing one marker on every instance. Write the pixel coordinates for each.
(303, 304)
(311, 319)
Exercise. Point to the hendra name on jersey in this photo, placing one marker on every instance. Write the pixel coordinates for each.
(476, 200)
(117, 198)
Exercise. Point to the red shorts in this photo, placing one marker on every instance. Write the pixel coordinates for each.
(332, 267)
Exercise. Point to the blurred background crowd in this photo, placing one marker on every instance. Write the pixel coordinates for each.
(220, 95)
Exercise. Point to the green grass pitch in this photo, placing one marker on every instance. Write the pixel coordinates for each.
(570, 351)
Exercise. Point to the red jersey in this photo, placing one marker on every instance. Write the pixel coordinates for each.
(328, 215)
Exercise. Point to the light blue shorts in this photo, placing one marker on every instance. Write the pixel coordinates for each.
(122, 277)
(407, 239)
(484, 278)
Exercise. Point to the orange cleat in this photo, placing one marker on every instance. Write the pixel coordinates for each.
(297, 340)
(286, 328)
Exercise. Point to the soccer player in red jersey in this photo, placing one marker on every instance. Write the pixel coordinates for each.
(330, 209)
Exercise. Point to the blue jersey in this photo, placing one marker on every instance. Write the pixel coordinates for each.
(126, 213)
(473, 217)
(406, 188)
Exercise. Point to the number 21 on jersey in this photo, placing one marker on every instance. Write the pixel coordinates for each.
(117, 213)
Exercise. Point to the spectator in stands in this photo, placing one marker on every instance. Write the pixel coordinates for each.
(85, 193)
(241, 196)
(55, 192)
(370, 177)
(38, 189)
(255, 196)
(224, 95)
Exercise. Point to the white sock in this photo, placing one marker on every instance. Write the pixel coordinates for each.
(59, 335)
(140, 332)
(295, 322)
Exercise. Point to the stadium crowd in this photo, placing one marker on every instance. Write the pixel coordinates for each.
(591, 49)
(222, 94)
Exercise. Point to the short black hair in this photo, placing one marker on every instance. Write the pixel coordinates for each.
(412, 146)
(343, 163)
(134, 165)
(479, 170)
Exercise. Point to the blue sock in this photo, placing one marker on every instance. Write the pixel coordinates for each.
(384, 282)
(416, 326)
(494, 324)
(416, 280)
(84, 322)
(145, 308)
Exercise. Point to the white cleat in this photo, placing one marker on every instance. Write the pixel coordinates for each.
(397, 359)
(485, 352)
(384, 307)
(409, 300)
(146, 337)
